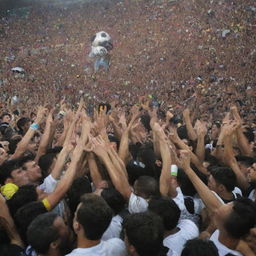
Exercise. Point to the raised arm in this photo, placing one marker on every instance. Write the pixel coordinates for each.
(94, 170)
(209, 199)
(230, 158)
(242, 141)
(117, 175)
(201, 131)
(45, 137)
(8, 224)
(22, 146)
(54, 198)
(173, 136)
(123, 151)
(165, 177)
(191, 132)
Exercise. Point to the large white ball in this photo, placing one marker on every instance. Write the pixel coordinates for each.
(100, 37)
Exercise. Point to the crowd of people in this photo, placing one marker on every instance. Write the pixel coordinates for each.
(127, 180)
(154, 156)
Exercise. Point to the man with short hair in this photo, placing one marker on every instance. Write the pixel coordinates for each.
(222, 182)
(91, 220)
(32, 169)
(233, 220)
(48, 235)
(144, 235)
(176, 232)
(12, 177)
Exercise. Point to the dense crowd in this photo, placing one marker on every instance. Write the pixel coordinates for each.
(155, 157)
(127, 180)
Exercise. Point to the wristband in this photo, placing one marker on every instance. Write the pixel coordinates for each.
(34, 126)
(46, 204)
(174, 170)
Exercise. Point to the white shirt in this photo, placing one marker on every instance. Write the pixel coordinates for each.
(137, 204)
(198, 206)
(252, 195)
(114, 229)
(49, 184)
(223, 250)
(112, 247)
(176, 242)
(234, 192)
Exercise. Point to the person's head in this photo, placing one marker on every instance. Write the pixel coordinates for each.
(167, 209)
(47, 232)
(79, 187)
(236, 218)
(252, 174)
(199, 247)
(146, 187)
(23, 124)
(11, 172)
(32, 116)
(26, 214)
(48, 160)
(182, 132)
(114, 142)
(6, 118)
(147, 156)
(222, 179)
(5, 145)
(215, 130)
(3, 155)
(185, 184)
(34, 143)
(32, 169)
(114, 199)
(24, 195)
(13, 143)
(244, 163)
(143, 234)
(92, 217)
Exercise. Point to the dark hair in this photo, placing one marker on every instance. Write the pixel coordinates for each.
(25, 215)
(41, 232)
(147, 156)
(145, 120)
(5, 114)
(112, 138)
(13, 143)
(167, 209)
(55, 150)
(21, 122)
(241, 219)
(185, 184)
(7, 168)
(114, 199)
(94, 215)
(134, 171)
(145, 232)
(26, 159)
(45, 162)
(249, 134)
(24, 195)
(199, 247)
(182, 132)
(147, 186)
(224, 176)
(217, 123)
(79, 187)
(245, 160)
(6, 131)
